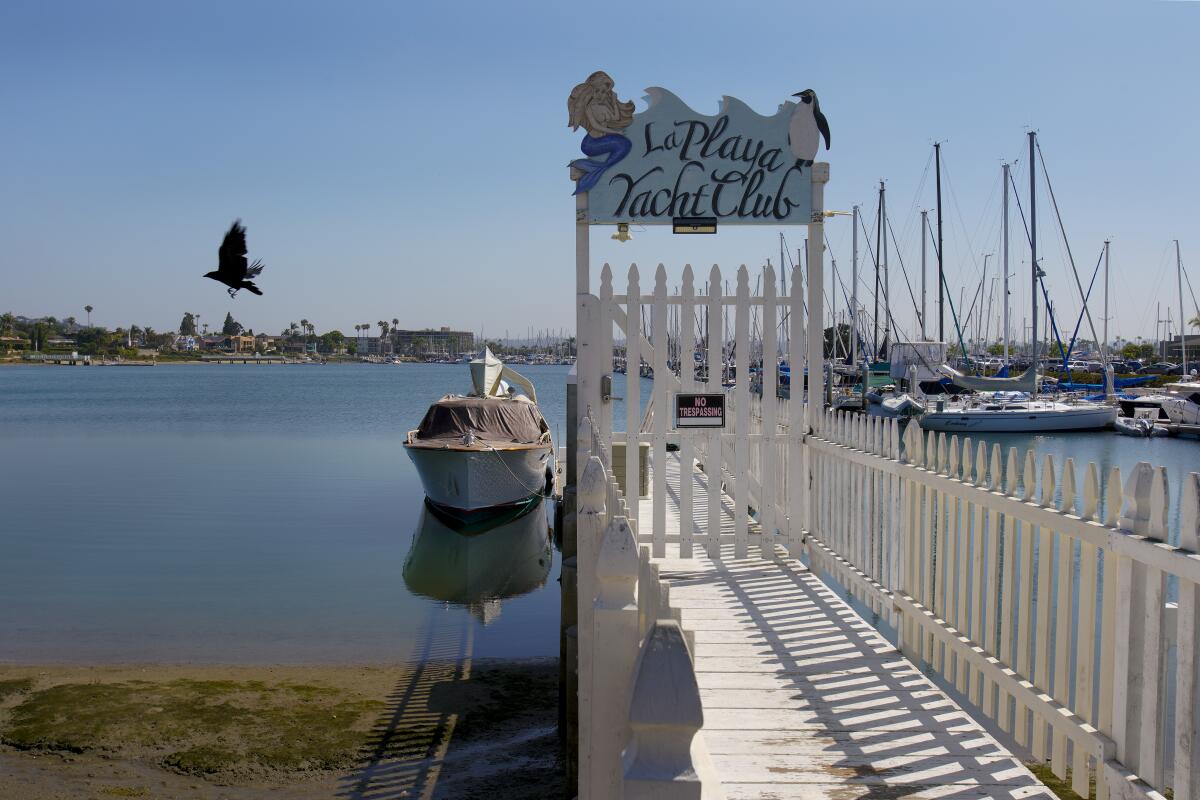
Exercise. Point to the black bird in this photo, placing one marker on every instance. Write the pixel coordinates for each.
(232, 267)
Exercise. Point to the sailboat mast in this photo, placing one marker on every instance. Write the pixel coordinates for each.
(1033, 267)
(1104, 347)
(783, 268)
(1183, 370)
(854, 287)
(887, 294)
(937, 153)
(980, 326)
(878, 244)
(924, 239)
(1004, 241)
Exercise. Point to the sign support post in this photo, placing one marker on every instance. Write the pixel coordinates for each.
(815, 357)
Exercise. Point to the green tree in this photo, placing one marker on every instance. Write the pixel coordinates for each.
(1133, 351)
(7, 323)
(231, 327)
(332, 341)
(187, 327)
(94, 341)
(996, 349)
(88, 309)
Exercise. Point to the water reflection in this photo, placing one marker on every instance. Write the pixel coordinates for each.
(479, 565)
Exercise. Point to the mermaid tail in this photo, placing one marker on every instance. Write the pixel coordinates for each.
(614, 145)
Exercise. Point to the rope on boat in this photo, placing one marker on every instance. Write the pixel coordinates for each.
(540, 491)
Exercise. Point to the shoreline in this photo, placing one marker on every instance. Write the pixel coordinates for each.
(465, 728)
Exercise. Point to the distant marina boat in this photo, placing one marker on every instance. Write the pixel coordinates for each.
(1139, 426)
(1017, 412)
(484, 450)
(1177, 403)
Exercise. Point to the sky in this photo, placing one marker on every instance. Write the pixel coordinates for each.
(408, 160)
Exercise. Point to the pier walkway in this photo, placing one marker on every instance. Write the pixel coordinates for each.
(1054, 600)
(802, 698)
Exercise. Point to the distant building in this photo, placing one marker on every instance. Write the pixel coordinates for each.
(1170, 349)
(442, 341)
(374, 346)
(238, 344)
(186, 343)
(60, 343)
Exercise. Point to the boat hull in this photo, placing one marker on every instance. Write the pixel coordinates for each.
(1020, 421)
(471, 479)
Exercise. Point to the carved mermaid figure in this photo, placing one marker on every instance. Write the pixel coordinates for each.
(593, 106)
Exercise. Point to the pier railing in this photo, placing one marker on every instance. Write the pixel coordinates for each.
(638, 701)
(1048, 596)
(1042, 599)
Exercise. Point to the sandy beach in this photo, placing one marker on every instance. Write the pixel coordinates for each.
(454, 729)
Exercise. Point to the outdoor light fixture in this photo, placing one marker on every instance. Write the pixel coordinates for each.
(694, 225)
(622, 234)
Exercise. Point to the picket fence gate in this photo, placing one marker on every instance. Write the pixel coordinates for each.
(1060, 612)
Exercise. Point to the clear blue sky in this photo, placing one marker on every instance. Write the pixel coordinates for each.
(409, 159)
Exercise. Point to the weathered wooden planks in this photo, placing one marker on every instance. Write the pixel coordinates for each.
(803, 698)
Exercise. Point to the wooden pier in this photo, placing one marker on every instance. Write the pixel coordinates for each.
(61, 359)
(1049, 598)
(803, 698)
(240, 358)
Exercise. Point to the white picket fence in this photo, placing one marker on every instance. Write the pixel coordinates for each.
(639, 704)
(1047, 616)
(710, 321)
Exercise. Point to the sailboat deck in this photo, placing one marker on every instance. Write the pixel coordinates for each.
(802, 697)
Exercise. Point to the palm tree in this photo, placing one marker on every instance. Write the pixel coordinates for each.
(1195, 321)
(88, 309)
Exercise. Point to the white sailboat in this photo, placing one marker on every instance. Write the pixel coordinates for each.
(487, 449)
(1011, 405)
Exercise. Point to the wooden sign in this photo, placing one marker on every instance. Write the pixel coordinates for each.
(668, 161)
(699, 411)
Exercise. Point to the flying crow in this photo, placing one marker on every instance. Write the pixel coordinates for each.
(232, 267)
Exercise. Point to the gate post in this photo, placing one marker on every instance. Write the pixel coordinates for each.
(815, 357)
(616, 633)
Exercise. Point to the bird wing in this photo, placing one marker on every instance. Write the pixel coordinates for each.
(231, 258)
(255, 269)
(822, 126)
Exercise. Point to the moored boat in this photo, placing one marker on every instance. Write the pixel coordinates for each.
(1013, 412)
(484, 450)
(1143, 427)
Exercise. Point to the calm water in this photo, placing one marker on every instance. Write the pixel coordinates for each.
(269, 514)
(249, 514)
(1180, 455)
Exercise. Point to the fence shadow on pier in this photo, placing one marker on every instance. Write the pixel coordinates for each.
(843, 694)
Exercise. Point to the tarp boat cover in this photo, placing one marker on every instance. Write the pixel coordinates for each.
(492, 420)
(1025, 382)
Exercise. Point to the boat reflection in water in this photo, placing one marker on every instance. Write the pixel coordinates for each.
(479, 564)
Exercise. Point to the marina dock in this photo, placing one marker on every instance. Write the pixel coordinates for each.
(714, 655)
(802, 697)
